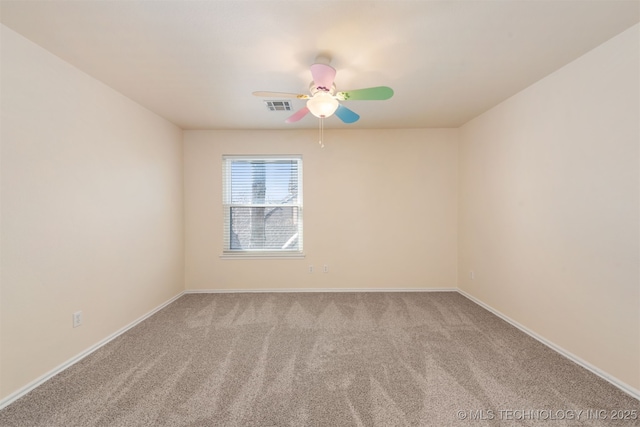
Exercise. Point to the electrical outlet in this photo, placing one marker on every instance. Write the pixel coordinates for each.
(77, 319)
(472, 275)
(325, 269)
(311, 269)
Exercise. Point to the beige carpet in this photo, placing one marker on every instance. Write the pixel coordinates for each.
(323, 359)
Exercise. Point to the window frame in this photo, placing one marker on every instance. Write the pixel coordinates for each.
(227, 252)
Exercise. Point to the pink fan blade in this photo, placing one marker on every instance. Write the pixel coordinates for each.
(297, 115)
(280, 95)
(323, 76)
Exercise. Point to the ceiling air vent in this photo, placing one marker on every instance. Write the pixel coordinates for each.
(278, 105)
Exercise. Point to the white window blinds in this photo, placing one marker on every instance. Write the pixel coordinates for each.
(262, 202)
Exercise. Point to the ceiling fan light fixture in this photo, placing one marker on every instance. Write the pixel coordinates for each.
(322, 104)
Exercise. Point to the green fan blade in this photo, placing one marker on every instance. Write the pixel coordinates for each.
(371, 93)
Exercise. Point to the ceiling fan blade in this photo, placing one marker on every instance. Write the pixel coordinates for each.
(323, 76)
(378, 93)
(346, 115)
(280, 95)
(297, 115)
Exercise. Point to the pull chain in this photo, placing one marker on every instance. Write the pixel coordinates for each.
(321, 131)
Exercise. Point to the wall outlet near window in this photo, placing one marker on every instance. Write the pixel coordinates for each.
(325, 269)
(77, 319)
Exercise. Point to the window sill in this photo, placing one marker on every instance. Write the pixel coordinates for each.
(264, 255)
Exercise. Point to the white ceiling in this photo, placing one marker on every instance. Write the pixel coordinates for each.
(197, 62)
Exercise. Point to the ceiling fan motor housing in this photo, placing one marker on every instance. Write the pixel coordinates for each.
(315, 89)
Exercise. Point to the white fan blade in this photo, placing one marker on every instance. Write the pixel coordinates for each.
(280, 95)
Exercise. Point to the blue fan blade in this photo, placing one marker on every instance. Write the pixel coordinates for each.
(346, 115)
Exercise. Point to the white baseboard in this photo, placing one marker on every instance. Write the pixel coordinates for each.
(317, 290)
(26, 389)
(39, 381)
(612, 380)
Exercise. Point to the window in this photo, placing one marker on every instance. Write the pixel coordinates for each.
(262, 201)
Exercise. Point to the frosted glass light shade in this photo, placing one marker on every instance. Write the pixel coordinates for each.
(322, 104)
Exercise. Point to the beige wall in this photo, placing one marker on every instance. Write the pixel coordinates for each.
(379, 209)
(549, 208)
(91, 211)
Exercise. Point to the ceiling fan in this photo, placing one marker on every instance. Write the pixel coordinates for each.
(324, 101)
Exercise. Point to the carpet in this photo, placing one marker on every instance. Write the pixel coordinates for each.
(323, 359)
